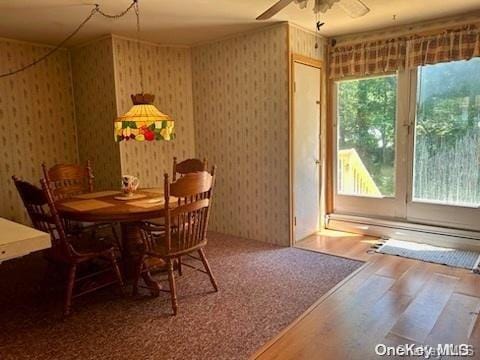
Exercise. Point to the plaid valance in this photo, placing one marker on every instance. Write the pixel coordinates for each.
(367, 58)
(384, 56)
(444, 47)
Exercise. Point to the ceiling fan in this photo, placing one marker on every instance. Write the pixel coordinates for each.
(354, 8)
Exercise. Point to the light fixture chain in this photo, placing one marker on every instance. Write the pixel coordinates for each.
(64, 41)
(140, 57)
(116, 16)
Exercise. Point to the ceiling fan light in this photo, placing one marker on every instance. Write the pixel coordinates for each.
(354, 8)
(302, 3)
(323, 5)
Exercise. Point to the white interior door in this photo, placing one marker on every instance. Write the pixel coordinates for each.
(306, 150)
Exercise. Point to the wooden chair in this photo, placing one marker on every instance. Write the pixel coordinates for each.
(188, 166)
(181, 169)
(67, 250)
(185, 230)
(67, 180)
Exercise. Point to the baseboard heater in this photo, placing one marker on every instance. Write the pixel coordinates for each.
(427, 234)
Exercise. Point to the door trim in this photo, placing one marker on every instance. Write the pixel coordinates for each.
(305, 60)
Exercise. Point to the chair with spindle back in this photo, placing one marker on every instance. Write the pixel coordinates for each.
(65, 251)
(67, 180)
(180, 169)
(185, 230)
(188, 166)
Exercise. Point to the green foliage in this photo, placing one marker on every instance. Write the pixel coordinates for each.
(447, 147)
(447, 132)
(448, 103)
(367, 112)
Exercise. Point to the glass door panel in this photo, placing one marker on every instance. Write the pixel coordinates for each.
(366, 153)
(446, 156)
(366, 136)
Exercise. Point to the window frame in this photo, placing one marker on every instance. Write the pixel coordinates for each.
(388, 206)
(424, 212)
(401, 207)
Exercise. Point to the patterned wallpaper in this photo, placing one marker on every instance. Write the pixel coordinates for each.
(241, 124)
(36, 119)
(95, 104)
(303, 42)
(168, 75)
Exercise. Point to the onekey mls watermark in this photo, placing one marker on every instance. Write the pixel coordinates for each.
(426, 351)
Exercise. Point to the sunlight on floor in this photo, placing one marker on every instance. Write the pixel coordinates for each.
(334, 233)
(339, 243)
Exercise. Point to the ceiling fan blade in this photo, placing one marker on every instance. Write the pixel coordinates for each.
(354, 8)
(274, 9)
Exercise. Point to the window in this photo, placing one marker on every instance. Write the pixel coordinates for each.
(407, 146)
(447, 134)
(366, 120)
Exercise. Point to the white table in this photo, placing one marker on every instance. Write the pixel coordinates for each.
(18, 240)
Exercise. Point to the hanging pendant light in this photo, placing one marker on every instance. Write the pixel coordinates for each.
(143, 122)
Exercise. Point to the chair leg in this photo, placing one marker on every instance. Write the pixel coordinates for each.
(117, 272)
(138, 273)
(116, 237)
(173, 290)
(49, 271)
(69, 290)
(201, 252)
(93, 234)
(179, 264)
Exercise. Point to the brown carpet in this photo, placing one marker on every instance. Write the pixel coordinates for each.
(263, 288)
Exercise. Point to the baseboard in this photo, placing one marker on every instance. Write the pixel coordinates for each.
(427, 234)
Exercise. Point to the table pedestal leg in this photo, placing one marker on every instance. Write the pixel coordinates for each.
(132, 246)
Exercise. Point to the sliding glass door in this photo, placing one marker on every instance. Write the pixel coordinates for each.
(368, 160)
(445, 176)
(407, 145)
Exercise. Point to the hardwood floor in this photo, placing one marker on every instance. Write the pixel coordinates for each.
(390, 300)
(338, 243)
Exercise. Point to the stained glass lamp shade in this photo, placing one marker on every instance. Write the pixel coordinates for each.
(144, 122)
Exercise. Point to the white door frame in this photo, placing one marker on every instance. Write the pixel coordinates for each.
(300, 59)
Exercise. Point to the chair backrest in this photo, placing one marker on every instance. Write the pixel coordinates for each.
(188, 166)
(66, 180)
(187, 223)
(42, 212)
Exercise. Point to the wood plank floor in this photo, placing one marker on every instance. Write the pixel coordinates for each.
(390, 300)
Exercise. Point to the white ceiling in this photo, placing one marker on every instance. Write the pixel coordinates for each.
(193, 21)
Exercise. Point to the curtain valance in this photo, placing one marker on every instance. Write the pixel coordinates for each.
(382, 56)
(367, 58)
(444, 47)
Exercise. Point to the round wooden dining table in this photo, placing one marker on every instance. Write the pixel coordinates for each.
(104, 206)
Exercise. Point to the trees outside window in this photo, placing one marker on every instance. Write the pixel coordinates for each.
(447, 134)
(366, 118)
